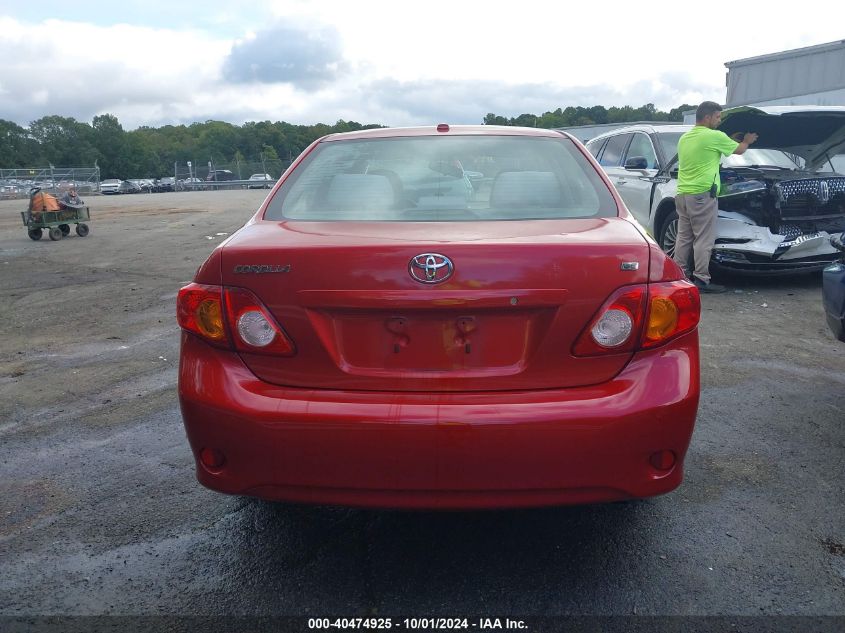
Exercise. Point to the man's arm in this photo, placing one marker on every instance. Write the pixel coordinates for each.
(747, 139)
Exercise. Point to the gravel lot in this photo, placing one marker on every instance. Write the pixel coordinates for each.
(101, 513)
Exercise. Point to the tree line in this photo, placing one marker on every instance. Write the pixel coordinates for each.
(149, 152)
(579, 115)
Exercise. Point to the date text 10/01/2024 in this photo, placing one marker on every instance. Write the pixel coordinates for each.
(416, 623)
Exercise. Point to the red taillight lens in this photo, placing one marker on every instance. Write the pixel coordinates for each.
(641, 317)
(254, 330)
(617, 325)
(674, 308)
(228, 317)
(199, 309)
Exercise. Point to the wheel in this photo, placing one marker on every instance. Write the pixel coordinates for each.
(34, 234)
(82, 230)
(55, 233)
(669, 233)
(65, 229)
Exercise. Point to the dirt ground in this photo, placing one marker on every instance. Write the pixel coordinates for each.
(96, 474)
(89, 322)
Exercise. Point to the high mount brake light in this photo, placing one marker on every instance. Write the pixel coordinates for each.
(231, 318)
(641, 317)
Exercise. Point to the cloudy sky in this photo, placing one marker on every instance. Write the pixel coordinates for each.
(154, 62)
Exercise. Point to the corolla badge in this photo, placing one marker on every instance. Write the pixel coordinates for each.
(431, 268)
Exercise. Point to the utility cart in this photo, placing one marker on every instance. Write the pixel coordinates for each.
(46, 212)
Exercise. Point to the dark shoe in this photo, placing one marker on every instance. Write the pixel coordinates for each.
(704, 286)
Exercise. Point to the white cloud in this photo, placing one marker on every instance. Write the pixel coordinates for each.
(371, 62)
(80, 70)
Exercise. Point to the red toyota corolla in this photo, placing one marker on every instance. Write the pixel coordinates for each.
(449, 317)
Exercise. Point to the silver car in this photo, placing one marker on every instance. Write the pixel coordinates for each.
(780, 201)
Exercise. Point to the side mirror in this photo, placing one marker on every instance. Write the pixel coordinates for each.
(636, 163)
(674, 172)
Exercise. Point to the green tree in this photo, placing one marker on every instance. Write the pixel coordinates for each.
(17, 147)
(112, 145)
(65, 141)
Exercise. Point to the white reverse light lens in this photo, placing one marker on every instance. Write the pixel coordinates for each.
(613, 328)
(254, 329)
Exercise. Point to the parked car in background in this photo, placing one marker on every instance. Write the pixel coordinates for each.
(220, 175)
(387, 331)
(780, 201)
(113, 186)
(132, 187)
(192, 183)
(833, 291)
(166, 183)
(260, 181)
(10, 191)
(145, 186)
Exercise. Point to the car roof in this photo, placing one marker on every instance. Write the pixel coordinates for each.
(454, 130)
(649, 129)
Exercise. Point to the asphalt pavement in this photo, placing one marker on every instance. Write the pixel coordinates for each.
(102, 514)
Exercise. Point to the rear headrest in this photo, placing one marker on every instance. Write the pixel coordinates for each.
(360, 192)
(525, 189)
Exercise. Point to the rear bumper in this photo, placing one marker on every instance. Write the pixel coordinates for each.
(436, 450)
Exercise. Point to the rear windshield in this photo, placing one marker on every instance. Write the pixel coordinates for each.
(442, 179)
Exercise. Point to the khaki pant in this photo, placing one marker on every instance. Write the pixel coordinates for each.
(696, 232)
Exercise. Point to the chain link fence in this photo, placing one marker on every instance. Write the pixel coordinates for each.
(233, 175)
(186, 175)
(17, 183)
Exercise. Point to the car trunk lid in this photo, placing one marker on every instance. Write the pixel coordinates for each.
(518, 297)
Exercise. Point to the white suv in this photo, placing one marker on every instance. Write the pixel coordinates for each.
(780, 201)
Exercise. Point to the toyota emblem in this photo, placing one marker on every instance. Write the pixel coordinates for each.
(430, 268)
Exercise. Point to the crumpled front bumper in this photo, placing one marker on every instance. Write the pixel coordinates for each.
(746, 247)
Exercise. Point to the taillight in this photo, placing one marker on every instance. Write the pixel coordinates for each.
(199, 309)
(674, 308)
(641, 317)
(617, 326)
(254, 328)
(231, 318)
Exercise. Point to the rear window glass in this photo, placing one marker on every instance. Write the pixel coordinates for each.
(442, 179)
(595, 146)
(612, 155)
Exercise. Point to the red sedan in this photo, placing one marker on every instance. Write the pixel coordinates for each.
(449, 317)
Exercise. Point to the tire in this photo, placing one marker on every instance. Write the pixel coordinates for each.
(669, 233)
(34, 234)
(55, 233)
(65, 228)
(82, 230)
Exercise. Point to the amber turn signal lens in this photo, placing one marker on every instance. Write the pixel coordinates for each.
(210, 319)
(662, 318)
